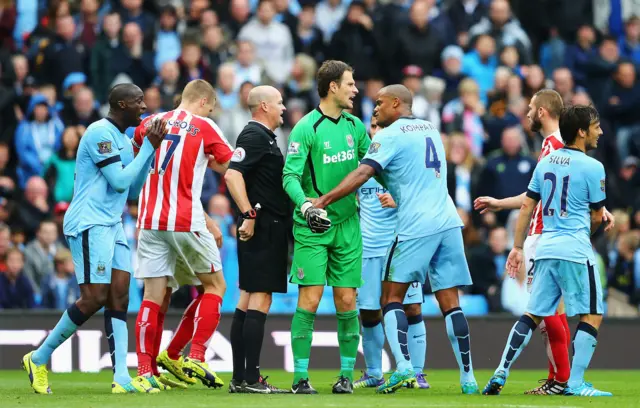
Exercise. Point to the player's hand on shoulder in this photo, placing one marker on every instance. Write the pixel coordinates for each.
(486, 204)
(386, 200)
(514, 262)
(156, 132)
(247, 229)
(317, 218)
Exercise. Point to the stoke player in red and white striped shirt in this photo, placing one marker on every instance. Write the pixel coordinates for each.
(544, 114)
(175, 246)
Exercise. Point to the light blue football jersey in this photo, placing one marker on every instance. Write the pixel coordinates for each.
(377, 224)
(94, 201)
(410, 156)
(569, 183)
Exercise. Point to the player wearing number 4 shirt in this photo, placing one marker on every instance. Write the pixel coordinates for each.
(407, 154)
(175, 247)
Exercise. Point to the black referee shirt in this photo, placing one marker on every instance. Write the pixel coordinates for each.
(260, 161)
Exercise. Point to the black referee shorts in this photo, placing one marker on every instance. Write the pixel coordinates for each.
(263, 259)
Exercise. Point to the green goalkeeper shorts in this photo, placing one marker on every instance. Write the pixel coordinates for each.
(333, 258)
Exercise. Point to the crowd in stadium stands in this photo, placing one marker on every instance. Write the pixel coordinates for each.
(472, 64)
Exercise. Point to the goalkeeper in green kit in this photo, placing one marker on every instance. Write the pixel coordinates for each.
(326, 145)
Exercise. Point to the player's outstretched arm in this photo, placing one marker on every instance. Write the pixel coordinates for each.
(351, 183)
(486, 204)
(122, 178)
(516, 257)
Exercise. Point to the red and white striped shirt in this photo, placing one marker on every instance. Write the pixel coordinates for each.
(551, 143)
(170, 198)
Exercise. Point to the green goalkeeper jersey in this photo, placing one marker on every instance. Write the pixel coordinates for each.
(321, 152)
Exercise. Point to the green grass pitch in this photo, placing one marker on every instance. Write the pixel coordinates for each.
(77, 390)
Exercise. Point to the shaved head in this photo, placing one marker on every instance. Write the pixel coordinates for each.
(266, 106)
(123, 93)
(398, 91)
(259, 94)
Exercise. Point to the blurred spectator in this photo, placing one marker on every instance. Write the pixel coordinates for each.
(5, 245)
(630, 43)
(625, 189)
(624, 272)
(301, 84)
(563, 84)
(365, 102)
(219, 209)
(578, 54)
(60, 170)
(38, 135)
(553, 53)
(33, 208)
(466, 13)
(354, 42)
(167, 84)
(418, 31)
(105, 64)
(600, 67)
(621, 106)
(63, 55)
(239, 14)
(533, 80)
(132, 12)
(7, 173)
(60, 289)
(82, 111)
(136, 63)
(192, 65)
(464, 115)
(508, 170)
(608, 17)
(167, 45)
(227, 97)
(153, 101)
(307, 37)
(39, 254)
(412, 79)
(464, 168)
(15, 290)
(482, 265)
(246, 69)
(88, 24)
(235, 119)
(504, 28)
(283, 13)
(329, 13)
(481, 64)
(214, 50)
(451, 71)
(58, 217)
(272, 40)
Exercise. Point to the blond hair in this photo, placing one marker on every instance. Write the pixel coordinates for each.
(198, 89)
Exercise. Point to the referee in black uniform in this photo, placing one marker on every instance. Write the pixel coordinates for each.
(254, 179)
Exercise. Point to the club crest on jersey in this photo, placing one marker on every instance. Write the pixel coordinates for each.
(104, 147)
(300, 273)
(350, 140)
(294, 148)
(238, 155)
(373, 147)
(602, 185)
(101, 268)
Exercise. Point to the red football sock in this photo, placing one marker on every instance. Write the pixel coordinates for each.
(156, 346)
(558, 344)
(567, 329)
(184, 332)
(146, 330)
(206, 323)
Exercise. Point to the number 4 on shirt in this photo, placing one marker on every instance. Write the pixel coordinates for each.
(431, 157)
(173, 144)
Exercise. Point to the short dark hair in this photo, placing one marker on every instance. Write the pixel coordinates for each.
(575, 118)
(330, 71)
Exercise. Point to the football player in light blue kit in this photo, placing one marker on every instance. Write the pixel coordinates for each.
(571, 186)
(409, 156)
(107, 175)
(378, 217)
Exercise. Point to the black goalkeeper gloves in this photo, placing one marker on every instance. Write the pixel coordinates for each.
(317, 219)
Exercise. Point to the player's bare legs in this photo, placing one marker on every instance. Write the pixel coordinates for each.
(206, 321)
(458, 332)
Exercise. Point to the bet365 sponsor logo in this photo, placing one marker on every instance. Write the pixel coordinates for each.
(345, 155)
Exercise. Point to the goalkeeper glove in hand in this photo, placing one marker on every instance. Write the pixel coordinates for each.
(317, 219)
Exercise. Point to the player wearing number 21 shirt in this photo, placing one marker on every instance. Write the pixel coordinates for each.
(175, 248)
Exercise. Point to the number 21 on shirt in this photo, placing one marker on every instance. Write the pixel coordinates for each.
(431, 158)
(173, 141)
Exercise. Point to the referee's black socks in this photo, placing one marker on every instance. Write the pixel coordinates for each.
(253, 334)
(237, 345)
